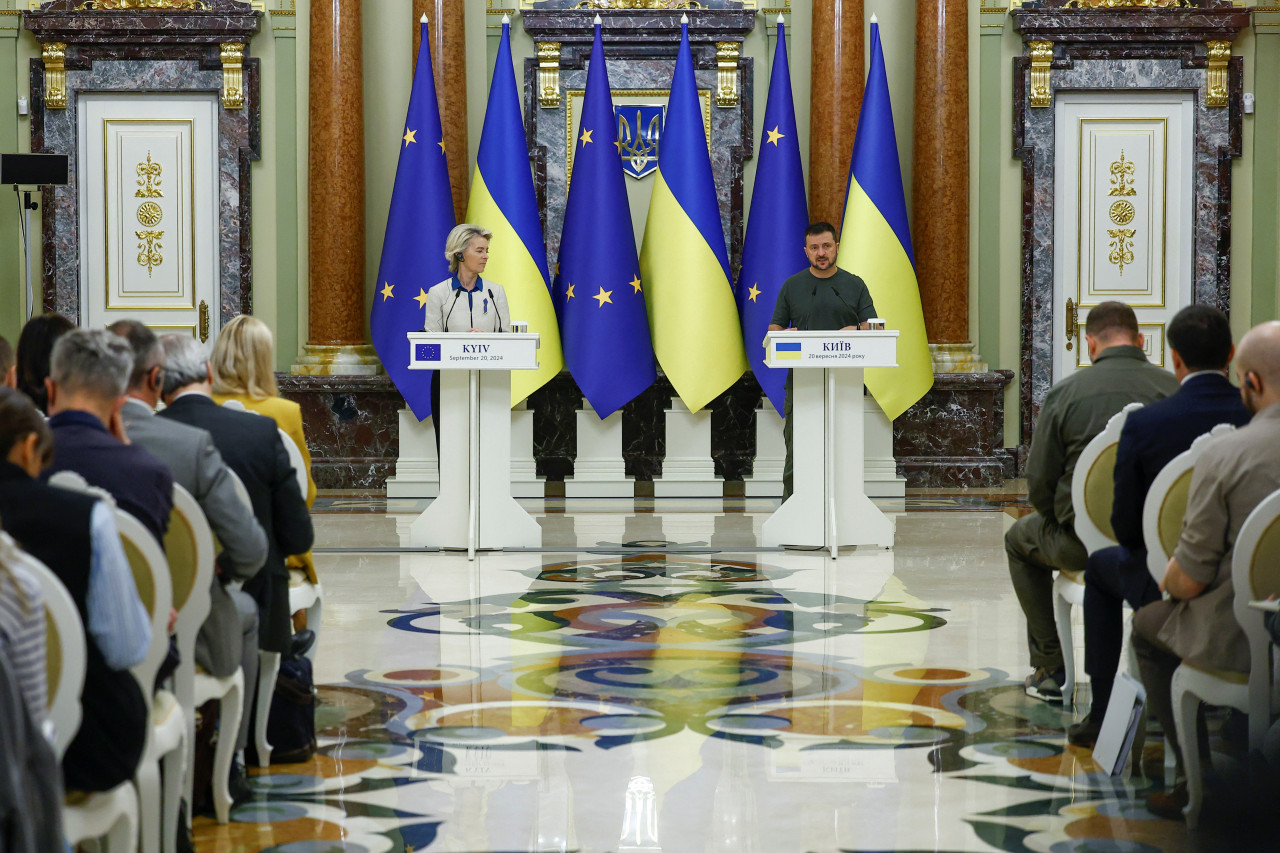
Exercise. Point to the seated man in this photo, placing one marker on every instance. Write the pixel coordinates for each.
(1197, 623)
(251, 446)
(75, 535)
(89, 372)
(1074, 411)
(229, 637)
(1200, 342)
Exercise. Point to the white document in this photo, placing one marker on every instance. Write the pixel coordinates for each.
(1128, 698)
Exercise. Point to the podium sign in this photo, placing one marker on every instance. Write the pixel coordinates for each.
(474, 508)
(472, 351)
(829, 506)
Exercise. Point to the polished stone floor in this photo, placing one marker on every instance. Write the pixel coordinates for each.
(653, 680)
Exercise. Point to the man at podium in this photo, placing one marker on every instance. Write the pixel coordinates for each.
(484, 308)
(820, 298)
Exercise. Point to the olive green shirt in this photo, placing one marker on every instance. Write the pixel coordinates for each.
(1232, 476)
(813, 304)
(1077, 409)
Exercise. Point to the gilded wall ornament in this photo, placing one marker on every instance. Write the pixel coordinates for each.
(149, 247)
(149, 214)
(639, 4)
(1122, 172)
(1126, 4)
(1041, 95)
(1121, 247)
(131, 5)
(149, 179)
(54, 56)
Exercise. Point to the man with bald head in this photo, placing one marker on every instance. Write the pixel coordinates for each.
(1196, 623)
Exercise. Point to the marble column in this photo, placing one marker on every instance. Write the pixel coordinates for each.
(940, 182)
(336, 340)
(446, 32)
(836, 94)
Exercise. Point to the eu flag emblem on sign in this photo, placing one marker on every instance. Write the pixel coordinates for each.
(639, 132)
(427, 352)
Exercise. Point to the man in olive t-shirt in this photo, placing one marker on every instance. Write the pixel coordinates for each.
(821, 298)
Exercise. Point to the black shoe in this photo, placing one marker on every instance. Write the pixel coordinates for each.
(238, 784)
(1045, 685)
(301, 643)
(185, 843)
(1085, 733)
(1169, 804)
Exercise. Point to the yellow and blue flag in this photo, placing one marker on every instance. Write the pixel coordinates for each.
(598, 291)
(875, 243)
(503, 201)
(684, 263)
(774, 247)
(420, 219)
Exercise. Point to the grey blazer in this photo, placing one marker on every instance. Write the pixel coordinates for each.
(197, 466)
(466, 310)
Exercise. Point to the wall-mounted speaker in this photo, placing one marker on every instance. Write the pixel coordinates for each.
(33, 170)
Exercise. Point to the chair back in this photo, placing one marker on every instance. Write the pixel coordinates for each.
(65, 654)
(151, 577)
(1093, 484)
(1166, 503)
(189, 551)
(1255, 574)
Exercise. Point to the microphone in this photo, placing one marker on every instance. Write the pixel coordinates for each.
(495, 309)
(456, 294)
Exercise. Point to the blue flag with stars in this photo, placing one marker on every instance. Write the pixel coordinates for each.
(604, 328)
(413, 249)
(774, 245)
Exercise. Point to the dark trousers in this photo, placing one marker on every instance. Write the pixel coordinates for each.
(788, 470)
(1036, 547)
(1113, 576)
(1157, 663)
(435, 410)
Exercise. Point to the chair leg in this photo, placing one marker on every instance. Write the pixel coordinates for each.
(314, 614)
(122, 837)
(230, 711)
(174, 776)
(1062, 618)
(1186, 708)
(268, 669)
(147, 781)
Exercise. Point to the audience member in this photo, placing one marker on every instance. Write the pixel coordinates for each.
(252, 447)
(1196, 623)
(229, 637)
(8, 366)
(89, 374)
(22, 635)
(35, 346)
(242, 364)
(1074, 411)
(1199, 339)
(75, 535)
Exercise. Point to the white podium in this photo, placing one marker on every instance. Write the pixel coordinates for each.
(829, 506)
(474, 509)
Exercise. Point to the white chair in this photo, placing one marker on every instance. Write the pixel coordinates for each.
(1255, 573)
(166, 736)
(190, 552)
(1092, 495)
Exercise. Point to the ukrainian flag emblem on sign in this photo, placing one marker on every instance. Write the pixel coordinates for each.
(786, 350)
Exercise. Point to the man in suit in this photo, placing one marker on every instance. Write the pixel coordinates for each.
(1196, 624)
(1200, 341)
(1074, 411)
(229, 636)
(251, 446)
(89, 372)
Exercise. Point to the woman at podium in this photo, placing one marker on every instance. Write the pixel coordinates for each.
(464, 302)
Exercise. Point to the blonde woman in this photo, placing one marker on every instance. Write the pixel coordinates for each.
(242, 366)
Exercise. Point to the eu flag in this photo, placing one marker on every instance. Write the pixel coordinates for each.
(774, 246)
(603, 325)
(413, 249)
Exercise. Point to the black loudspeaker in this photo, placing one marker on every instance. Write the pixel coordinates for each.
(33, 170)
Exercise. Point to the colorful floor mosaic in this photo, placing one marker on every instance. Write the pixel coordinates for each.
(688, 702)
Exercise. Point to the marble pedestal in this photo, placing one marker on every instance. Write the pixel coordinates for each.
(417, 471)
(687, 469)
(598, 470)
(525, 482)
(765, 480)
(954, 437)
(350, 425)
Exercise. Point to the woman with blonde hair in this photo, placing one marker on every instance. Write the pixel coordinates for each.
(243, 369)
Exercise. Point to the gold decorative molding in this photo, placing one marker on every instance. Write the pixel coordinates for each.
(727, 53)
(639, 4)
(1041, 58)
(1121, 247)
(1122, 172)
(1126, 4)
(54, 54)
(126, 5)
(149, 247)
(1215, 83)
(549, 74)
(232, 75)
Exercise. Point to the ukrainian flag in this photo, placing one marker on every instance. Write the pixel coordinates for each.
(420, 219)
(502, 200)
(875, 243)
(684, 263)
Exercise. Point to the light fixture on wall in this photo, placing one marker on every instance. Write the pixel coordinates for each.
(31, 171)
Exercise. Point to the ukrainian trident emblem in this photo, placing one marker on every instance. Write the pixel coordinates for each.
(639, 132)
